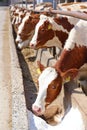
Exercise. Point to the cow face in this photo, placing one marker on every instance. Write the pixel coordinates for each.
(44, 35)
(23, 28)
(26, 29)
(50, 84)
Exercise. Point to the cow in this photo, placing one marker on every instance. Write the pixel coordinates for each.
(51, 31)
(22, 37)
(26, 29)
(17, 17)
(72, 58)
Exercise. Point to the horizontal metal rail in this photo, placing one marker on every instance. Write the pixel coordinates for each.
(76, 14)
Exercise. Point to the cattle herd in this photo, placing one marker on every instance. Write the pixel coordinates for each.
(45, 29)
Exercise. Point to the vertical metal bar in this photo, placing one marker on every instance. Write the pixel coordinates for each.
(26, 3)
(55, 4)
(22, 3)
(34, 4)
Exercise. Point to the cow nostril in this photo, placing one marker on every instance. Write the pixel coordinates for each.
(36, 109)
(17, 41)
(32, 45)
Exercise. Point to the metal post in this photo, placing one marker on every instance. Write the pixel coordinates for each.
(26, 3)
(22, 3)
(34, 2)
(55, 4)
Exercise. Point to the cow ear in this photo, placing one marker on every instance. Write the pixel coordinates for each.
(49, 26)
(30, 18)
(69, 74)
(41, 67)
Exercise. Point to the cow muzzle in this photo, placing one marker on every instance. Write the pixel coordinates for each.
(37, 110)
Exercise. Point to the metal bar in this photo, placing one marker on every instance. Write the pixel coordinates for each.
(54, 4)
(26, 3)
(34, 2)
(76, 14)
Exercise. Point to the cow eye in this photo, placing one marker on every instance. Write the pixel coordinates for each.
(54, 87)
(42, 30)
(19, 34)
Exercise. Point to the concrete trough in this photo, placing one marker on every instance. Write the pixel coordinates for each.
(19, 110)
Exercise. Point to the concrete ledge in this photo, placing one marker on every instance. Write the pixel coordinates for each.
(19, 112)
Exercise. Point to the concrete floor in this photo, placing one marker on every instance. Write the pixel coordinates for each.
(5, 79)
(13, 114)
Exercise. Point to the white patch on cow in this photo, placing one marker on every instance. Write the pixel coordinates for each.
(77, 36)
(18, 38)
(17, 10)
(71, 121)
(13, 20)
(56, 26)
(43, 18)
(47, 76)
(23, 22)
(55, 41)
(72, 20)
(17, 20)
(12, 8)
(23, 44)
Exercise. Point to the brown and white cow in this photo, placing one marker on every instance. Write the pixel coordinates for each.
(26, 29)
(51, 31)
(73, 56)
(23, 36)
(18, 16)
(54, 31)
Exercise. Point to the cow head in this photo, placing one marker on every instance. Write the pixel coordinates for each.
(45, 35)
(25, 30)
(50, 84)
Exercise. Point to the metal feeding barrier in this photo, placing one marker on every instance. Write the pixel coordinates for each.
(25, 3)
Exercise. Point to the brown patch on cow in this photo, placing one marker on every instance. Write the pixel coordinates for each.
(53, 90)
(29, 26)
(24, 36)
(63, 21)
(74, 58)
(22, 15)
(83, 7)
(62, 36)
(85, 12)
(44, 34)
(69, 9)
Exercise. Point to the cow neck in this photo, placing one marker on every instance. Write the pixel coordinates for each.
(62, 36)
(69, 59)
(63, 21)
(63, 27)
(35, 21)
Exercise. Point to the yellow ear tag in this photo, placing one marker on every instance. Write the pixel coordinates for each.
(49, 27)
(38, 71)
(67, 79)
